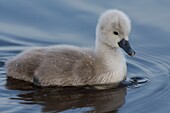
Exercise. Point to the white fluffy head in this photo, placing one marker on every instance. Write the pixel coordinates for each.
(113, 26)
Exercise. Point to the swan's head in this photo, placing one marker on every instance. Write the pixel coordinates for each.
(113, 30)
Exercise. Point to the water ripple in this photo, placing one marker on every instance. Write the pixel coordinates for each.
(156, 92)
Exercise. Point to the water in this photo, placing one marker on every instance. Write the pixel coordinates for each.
(24, 24)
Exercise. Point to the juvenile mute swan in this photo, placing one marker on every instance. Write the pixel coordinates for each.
(65, 65)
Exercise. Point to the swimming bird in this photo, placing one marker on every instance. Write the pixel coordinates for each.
(67, 65)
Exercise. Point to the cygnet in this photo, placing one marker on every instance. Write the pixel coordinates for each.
(67, 65)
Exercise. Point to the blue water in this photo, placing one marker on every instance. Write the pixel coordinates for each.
(28, 23)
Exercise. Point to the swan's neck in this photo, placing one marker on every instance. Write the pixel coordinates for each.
(110, 55)
(113, 61)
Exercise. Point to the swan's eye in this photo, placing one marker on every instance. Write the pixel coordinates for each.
(116, 33)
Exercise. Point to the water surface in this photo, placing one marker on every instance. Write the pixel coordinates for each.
(24, 24)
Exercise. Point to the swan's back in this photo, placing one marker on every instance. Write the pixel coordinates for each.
(55, 65)
(66, 66)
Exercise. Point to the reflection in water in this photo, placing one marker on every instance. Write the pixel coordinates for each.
(62, 99)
